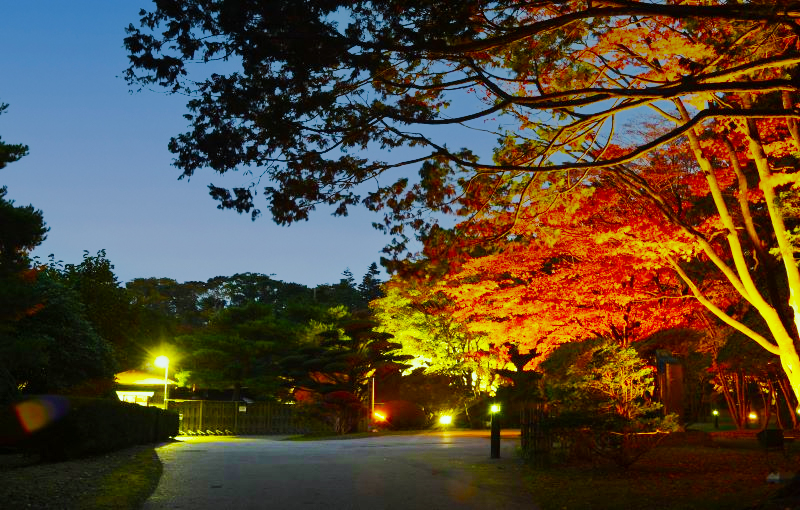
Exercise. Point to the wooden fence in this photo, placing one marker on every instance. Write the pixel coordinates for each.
(205, 417)
(535, 439)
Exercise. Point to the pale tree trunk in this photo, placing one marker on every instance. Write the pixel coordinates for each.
(782, 343)
(787, 395)
(775, 400)
(734, 389)
(790, 360)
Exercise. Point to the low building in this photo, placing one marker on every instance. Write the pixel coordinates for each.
(140, 387)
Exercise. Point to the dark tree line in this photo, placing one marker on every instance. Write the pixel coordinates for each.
(68, 328)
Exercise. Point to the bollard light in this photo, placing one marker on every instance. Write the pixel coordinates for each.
(494, 409)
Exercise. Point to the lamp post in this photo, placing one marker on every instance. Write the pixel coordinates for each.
(163, 362)
(372, 404)
(495, 438)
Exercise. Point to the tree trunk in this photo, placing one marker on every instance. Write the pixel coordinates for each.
(783, 384)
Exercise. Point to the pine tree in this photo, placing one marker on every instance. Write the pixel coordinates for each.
(370, 286)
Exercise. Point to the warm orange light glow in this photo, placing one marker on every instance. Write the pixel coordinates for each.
(378, 416)
(753, 416)
(445, 419)
(715, 412)
(495, 408)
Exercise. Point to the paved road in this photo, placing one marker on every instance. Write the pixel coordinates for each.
(431, 471)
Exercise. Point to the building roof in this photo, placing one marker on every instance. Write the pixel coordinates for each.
(141, 378)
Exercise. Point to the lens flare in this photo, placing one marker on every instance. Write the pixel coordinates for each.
(35, 414)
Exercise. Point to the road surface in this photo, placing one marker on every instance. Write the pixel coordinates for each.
(431, 471)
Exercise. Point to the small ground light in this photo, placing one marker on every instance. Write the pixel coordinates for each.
(445, 419)
(716, 418)
(715, 412)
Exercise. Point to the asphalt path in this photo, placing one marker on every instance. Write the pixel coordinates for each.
(431, 471)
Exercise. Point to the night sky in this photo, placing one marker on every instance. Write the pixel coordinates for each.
(100, 171)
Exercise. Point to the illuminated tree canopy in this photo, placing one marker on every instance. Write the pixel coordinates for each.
(421, 320)
(308, 87)
(571, 279)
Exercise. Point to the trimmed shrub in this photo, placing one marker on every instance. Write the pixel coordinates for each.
(66, 427)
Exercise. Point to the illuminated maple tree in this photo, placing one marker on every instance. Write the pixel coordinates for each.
(565, 277)
(316, 84)
(420, 319)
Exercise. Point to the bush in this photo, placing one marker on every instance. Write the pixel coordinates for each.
(60, 428)
(602, 396)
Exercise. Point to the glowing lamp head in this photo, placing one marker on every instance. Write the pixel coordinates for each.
(752, 416)
(445, 419)
(162, 362)
(378, 416)
(715, 412)
(495, 408)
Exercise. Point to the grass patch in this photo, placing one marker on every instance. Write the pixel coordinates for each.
(127, 485)
(667, 477)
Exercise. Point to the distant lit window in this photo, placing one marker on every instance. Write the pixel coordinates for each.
(135, 397)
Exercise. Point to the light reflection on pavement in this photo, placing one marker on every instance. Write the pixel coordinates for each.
(432, 471)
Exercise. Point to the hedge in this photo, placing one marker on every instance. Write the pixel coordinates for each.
(79, 426)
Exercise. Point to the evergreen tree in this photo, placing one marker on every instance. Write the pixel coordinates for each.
(348, 280)
(10, 152)
(331, 370)
(47, 345)
(370, 286)
(238, 349)
(343, 293)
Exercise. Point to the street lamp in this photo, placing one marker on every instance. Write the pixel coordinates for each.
(163, 362)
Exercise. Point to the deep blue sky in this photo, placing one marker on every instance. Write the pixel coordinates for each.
(100, 171)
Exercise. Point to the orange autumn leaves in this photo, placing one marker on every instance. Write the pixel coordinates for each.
(597, 276)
